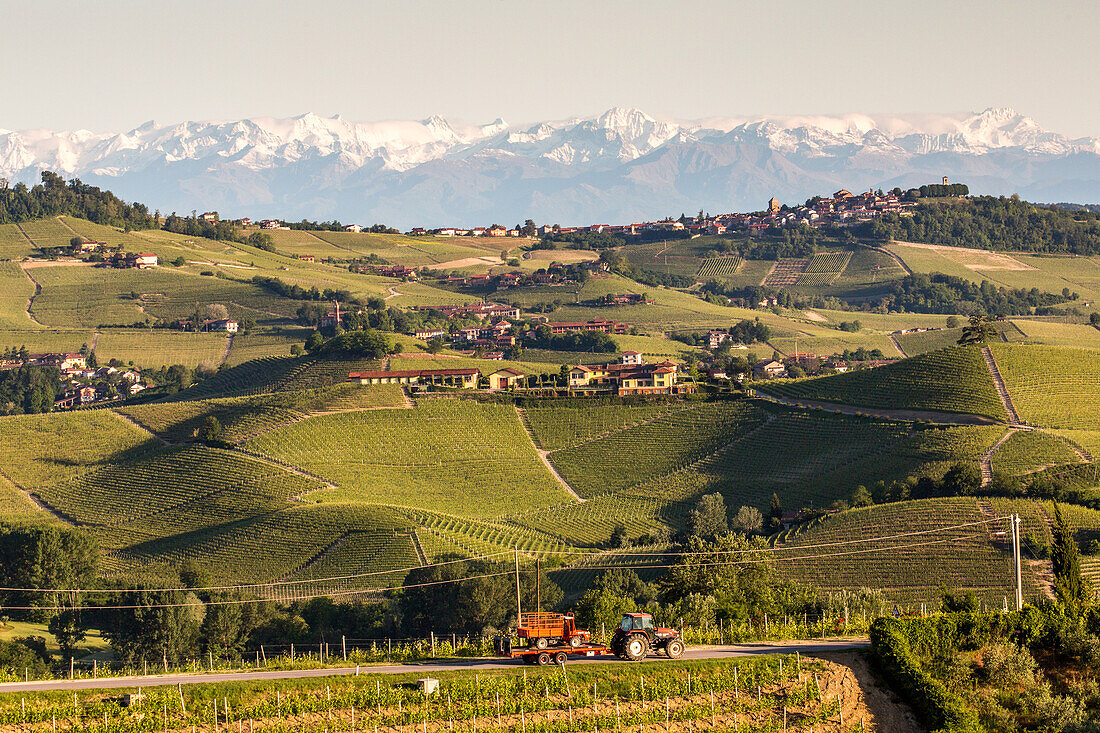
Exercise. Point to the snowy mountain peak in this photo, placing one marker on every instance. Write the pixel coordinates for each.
(623, 164)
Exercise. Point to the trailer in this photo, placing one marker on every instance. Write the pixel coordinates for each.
(544, 657)
(543, 630)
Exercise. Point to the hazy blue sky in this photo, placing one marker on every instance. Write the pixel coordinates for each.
(106, 65)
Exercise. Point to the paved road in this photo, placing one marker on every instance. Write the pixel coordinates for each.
(425, 668)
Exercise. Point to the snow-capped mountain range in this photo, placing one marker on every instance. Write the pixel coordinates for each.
(621, 166)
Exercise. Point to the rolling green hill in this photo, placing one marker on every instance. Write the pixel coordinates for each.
(950, 380)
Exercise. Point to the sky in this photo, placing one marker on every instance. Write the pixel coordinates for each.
(111, 65)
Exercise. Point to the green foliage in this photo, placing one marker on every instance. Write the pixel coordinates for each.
(708, 518)
(53, 197)
(1070, 588)
(148, 632)
(986, 222)
(44, 557)
(977, 331)
(939, 709)
(368, 344)
(28, 390)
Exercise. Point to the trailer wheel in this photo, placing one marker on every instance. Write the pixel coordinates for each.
(559, 658)
(543, 659)
(540, 642)
(674, 648)
(636, 647)
(575, 641)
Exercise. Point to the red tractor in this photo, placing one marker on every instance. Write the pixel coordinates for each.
(637, 636)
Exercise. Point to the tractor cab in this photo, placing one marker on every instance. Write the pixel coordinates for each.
(637, 635)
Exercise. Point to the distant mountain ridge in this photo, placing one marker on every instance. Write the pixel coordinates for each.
(621, 166)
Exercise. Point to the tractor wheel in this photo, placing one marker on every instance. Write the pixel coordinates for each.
(559, 658)
(540, 643)
(674, 648)
(575, 641)
(543, 659)
(636, 647)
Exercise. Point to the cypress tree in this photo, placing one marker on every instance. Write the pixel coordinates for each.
(1069, 585)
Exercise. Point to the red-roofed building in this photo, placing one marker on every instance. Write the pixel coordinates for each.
(462, 378)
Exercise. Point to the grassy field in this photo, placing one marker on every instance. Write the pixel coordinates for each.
(950, 380)
(1052, 387)
(153, 348)
(260, 343)
(453, 456)
(1051, 333)
(16, 506)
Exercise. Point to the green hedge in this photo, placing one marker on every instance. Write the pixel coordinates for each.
(938, 708)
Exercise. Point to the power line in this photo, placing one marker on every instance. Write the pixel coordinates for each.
(341, 578)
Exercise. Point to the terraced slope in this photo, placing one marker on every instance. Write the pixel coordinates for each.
(659, 447)
(950, 380)
(910, 569)
(454, 456)
(1052, 386)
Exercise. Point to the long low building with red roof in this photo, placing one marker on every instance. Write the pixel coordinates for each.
(463, 378)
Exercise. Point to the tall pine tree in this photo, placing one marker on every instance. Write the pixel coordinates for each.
(1069, 586)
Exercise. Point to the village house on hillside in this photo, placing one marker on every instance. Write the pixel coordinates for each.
(630, 376)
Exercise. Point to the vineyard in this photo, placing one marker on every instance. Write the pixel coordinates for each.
(454, 456)
(13, 245)
(1027, 451)
(442, 534)
(951, 380)
(37, 450)
(1050, 386)
(265, 547)
(765, 693)
(942, 338)
(786, 272)
(556, 427)
(659, 447)
(824, 268)
(242, 418)
(910, 568)
(174, 491)
(719, 267)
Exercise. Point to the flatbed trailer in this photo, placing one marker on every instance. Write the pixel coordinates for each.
(543, 657)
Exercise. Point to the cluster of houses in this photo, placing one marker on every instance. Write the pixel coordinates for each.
(631, 375)
(141, 261)
(81, 384)
(496, 230)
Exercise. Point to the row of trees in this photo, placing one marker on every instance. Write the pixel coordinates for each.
(939, 293)
(993, 223)
(54, 197)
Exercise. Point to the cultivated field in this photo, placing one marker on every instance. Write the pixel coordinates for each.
(453, 456)
(1052, 387)
(950, 380)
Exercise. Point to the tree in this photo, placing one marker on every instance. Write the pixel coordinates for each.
(962, 479)
(67, 627)
(75, 242)
(861, 497)
(775, 513)
(1094, 319)
(708, 518)
(748, 520)
(952, 322)
(618, 537)
(158, 623)
(978, 330)
(1070, 586)
(210, 431)
(314, 342)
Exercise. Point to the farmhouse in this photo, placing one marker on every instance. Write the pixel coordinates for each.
(353, 228)
(222, 324)
(62, 361)
(141, 261)
(428, 334)
(599, 325)
(769, 370)
(463, 378)
(307, 258)
(478, 310)
(633, 377)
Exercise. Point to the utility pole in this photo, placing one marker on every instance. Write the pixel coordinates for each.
(1016, 561)
(538, 586)
(518, 607)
